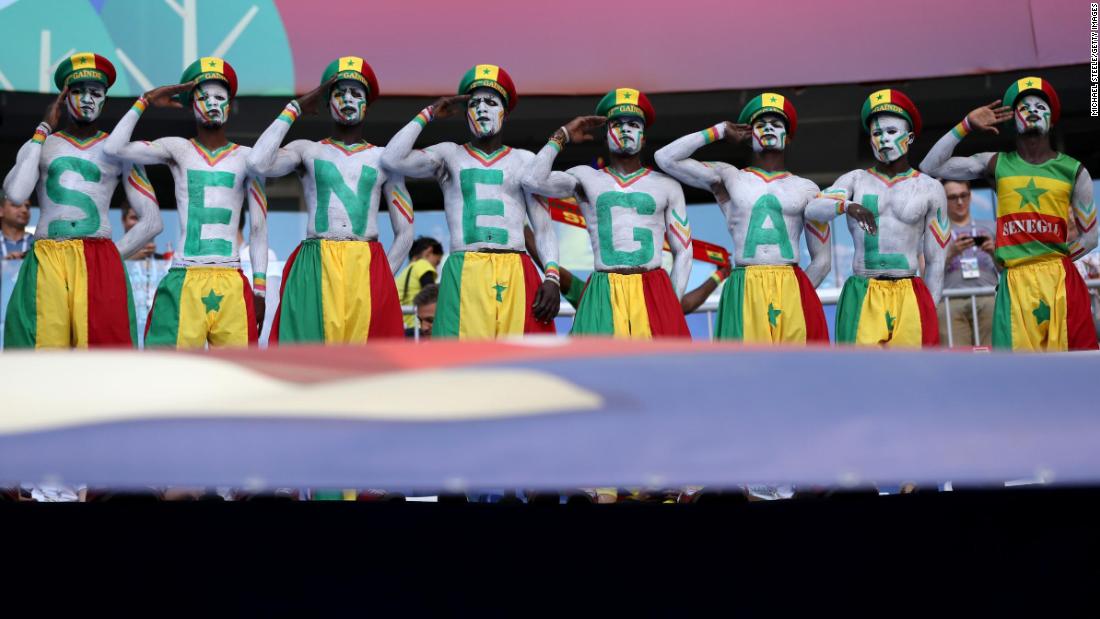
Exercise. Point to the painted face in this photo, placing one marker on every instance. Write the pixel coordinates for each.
(1032, 114)
(485, 112)
(210, 100)
(890, 137)
(85, 101)
(625, 135)
(348, 102)
(769, 132)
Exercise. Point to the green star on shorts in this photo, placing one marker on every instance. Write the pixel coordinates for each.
(1041, 312)
(773, 313)
(500, 288)
(213, 302)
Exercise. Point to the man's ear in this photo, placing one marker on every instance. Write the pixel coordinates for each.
(912, 138)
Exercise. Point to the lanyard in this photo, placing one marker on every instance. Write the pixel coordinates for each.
(22, 247)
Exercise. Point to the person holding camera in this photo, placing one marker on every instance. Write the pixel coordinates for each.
(969, 264)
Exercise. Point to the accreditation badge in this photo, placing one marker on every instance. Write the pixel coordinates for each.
(969, 267)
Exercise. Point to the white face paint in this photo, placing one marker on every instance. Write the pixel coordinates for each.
(1032, 114)
(348, 102)
(85, 101)
(485, 112)
(890, 137)
(210, 101)
(625, 135)
(769, 132)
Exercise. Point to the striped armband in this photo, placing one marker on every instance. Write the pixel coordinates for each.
(555, 144)
(425, 116)
(259, 283)
(553, 272)
(712, 134)
(841, 197)
(290, 113)
(140, 105)
(41, 132)
(718, 277)
(962, 129)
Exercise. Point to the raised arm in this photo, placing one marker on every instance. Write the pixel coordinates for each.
(831, 202)
(679, 239)
(540, 179)
(941, 164)
(400, 207)
(936, 229)
(819, 242)
(675, 159)
(118, 144)
(266, 158)
(1084, 215)
(402, 159)
(141, 197)
(20, 182)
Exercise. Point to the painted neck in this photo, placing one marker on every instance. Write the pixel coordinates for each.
(770, 160)
(488, 144)
(348, 134)
(1034, 147)
(12, 231)
(895, 167)
(82, 130)
(211, 138)
(625, 164)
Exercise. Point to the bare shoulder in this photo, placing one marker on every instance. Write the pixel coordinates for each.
(804, 184)
(930, 184)
(300, 145)
(582, 171)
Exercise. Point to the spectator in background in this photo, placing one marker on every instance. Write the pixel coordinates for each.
(969, 264)
(424, 302)
(129, 220)
(14, 240)
(424, 257)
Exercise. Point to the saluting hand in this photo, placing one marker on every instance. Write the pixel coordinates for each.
(445, 107)
(984, 118)
(165, 96)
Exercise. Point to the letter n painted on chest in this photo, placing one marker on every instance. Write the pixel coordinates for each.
(357, 203)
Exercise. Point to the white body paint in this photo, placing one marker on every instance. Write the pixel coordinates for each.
(622, 236)
(210, 102)
(85, 101)
(446, 162)
(303, 158)
(1032, 113)
(187, 163)
(769, 132)
(485, 112)
(32, 171)
(906, 210)
(890, 137)
(744, 190)
(348, 102)
(625, 135)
